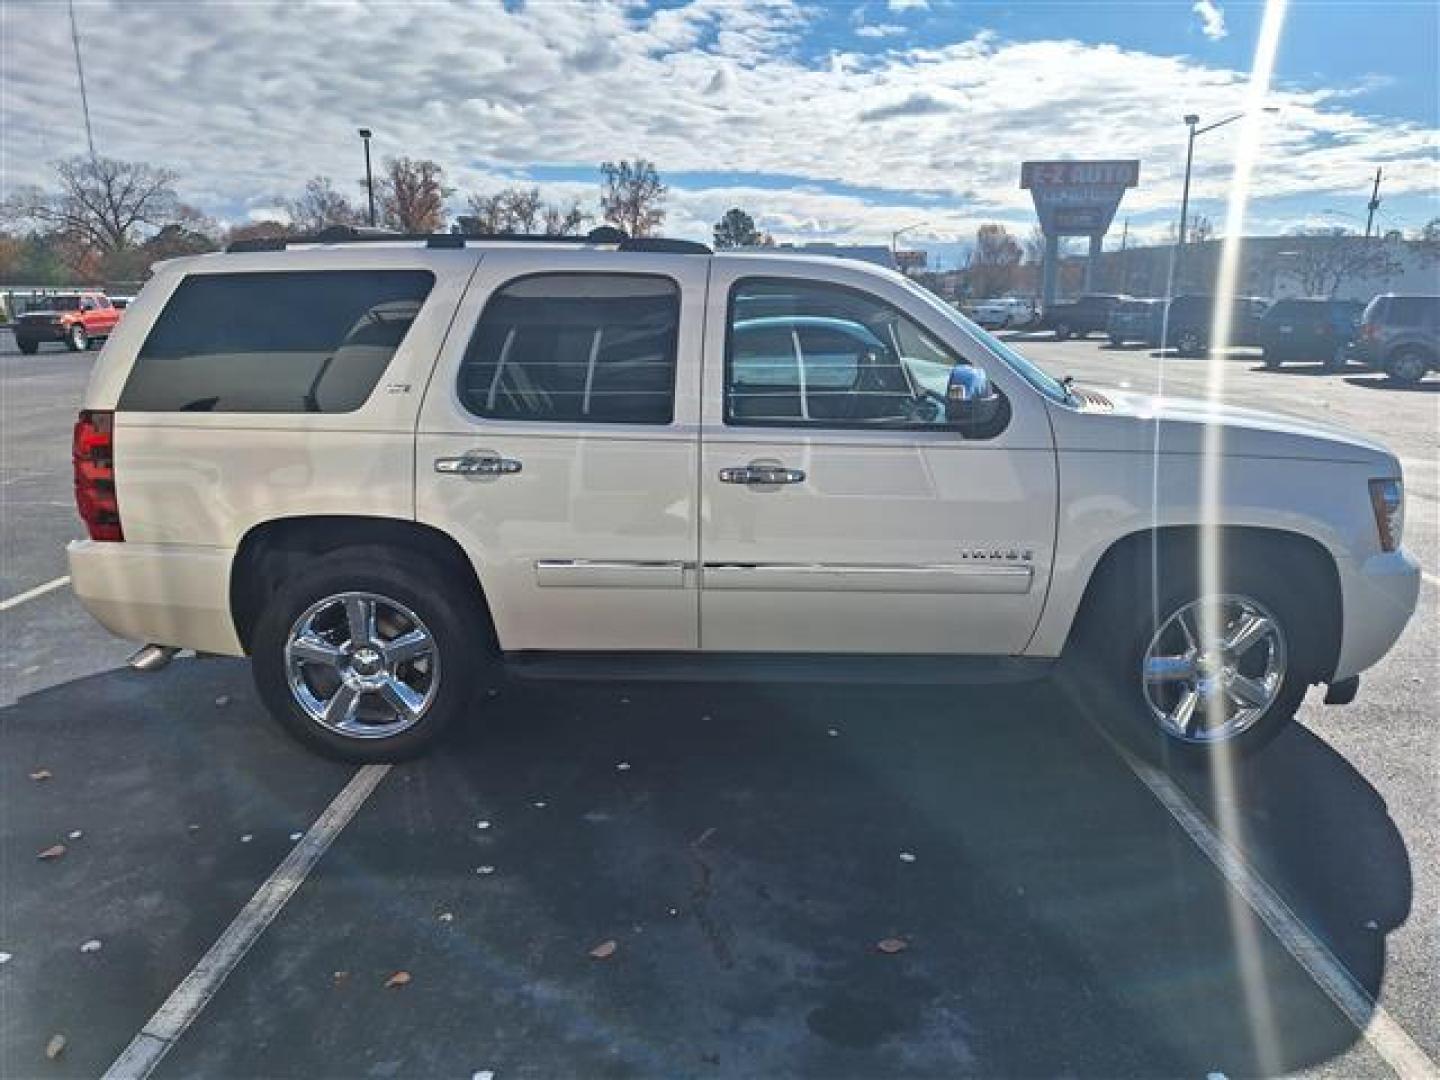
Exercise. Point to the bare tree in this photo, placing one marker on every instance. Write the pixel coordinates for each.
(1325, 258)
(632, 196)
(993, 260)
(520, 210)
(412, 195)
(102, 204)
(320, 207)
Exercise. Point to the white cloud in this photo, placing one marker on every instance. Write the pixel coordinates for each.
(1212, 19)
(907, 5)
(879, 30)
(243, 111)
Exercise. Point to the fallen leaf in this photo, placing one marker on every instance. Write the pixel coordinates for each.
(54, 851)
(892, 945)
(604, 950)
(93, 945)
(55, 1047)
(41, 774)
(400, 978)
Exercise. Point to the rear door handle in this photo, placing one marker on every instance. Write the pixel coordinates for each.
(477, 465)
(761, 474)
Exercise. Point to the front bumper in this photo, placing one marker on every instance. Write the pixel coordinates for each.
(1378, 595)
(40, 331)
(165, 594)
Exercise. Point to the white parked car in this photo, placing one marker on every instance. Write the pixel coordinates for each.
(380, 468)
(1004, 312)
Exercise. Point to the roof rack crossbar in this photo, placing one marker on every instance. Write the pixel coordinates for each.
(602, 235)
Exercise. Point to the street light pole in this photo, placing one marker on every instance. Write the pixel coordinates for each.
(1190, 121)
(369, 178)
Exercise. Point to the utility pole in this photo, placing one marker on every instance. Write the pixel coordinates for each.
(80, 72)
(1373, 205)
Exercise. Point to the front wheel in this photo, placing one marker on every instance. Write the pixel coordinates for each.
(367, 657)
(1203, 674)
(29, 348)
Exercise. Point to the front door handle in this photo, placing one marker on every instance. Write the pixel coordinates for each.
(477, 465)
(762, 474)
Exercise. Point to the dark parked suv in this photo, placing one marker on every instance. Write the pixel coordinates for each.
(1313, 329)
(1400, 335)
(1190, 317)
(1085, 315)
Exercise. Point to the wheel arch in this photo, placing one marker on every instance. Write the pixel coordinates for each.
(1314, 569)
(272, 551)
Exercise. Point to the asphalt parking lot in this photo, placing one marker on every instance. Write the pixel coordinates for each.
(745, 848)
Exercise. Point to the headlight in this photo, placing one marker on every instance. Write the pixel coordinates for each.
(1387, 498)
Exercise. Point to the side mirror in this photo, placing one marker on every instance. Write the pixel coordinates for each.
(970, 400)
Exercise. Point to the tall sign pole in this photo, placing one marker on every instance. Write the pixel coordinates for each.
(80, 72)
(1075, 198)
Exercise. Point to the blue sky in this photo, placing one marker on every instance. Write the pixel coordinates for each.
(839, 121)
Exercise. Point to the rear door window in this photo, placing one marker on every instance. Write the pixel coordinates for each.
(275, 342)
(596, 348)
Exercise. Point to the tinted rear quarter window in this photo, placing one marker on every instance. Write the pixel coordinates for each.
(275, 342)
(1411, 311)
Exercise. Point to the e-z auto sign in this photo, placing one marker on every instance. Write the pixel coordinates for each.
(1077, 197)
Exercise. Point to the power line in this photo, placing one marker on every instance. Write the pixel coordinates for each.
(80, 71)
(1373, 205)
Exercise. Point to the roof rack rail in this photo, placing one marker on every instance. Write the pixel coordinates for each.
(344, 234)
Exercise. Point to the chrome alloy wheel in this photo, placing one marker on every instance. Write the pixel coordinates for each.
(1211, 692)
(362, 665)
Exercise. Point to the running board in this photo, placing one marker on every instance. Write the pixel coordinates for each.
(768, 668)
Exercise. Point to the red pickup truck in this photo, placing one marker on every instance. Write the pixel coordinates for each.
(76, 319)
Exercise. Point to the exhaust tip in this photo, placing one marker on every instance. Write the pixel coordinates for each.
(152, 657)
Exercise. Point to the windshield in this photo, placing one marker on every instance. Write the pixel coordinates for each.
(1036, 376)
(55, 303)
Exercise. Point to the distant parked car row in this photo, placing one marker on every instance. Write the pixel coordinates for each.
(1399, 335)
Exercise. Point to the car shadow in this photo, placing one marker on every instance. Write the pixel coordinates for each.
(1236, 354)
(1124, 346)
(1384, 382)
(1301, 367)
(747, 849)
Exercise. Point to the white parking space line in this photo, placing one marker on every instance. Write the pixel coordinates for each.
(31, 594)
(1386, 1037)
(195, 991)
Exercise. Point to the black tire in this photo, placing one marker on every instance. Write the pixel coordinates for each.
(1337, 360)
(29, 348)
(1062, 331)
(1271, 359)
(1105, 663)
(1189, 343)
(1407, 365)
(76, 339)
(1116, 342)
(454, 621)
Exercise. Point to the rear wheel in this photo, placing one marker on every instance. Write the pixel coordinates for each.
(1189, 343)
(77, 340)
(1208, 673)
(29, 348)
(367, 657)
(1407, 365)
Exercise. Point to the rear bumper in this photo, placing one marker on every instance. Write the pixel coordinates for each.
(166, 594)
(1378, 596)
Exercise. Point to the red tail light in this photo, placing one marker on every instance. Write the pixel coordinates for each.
(93, 454)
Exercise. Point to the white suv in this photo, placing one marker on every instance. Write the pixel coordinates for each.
(379, 467)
